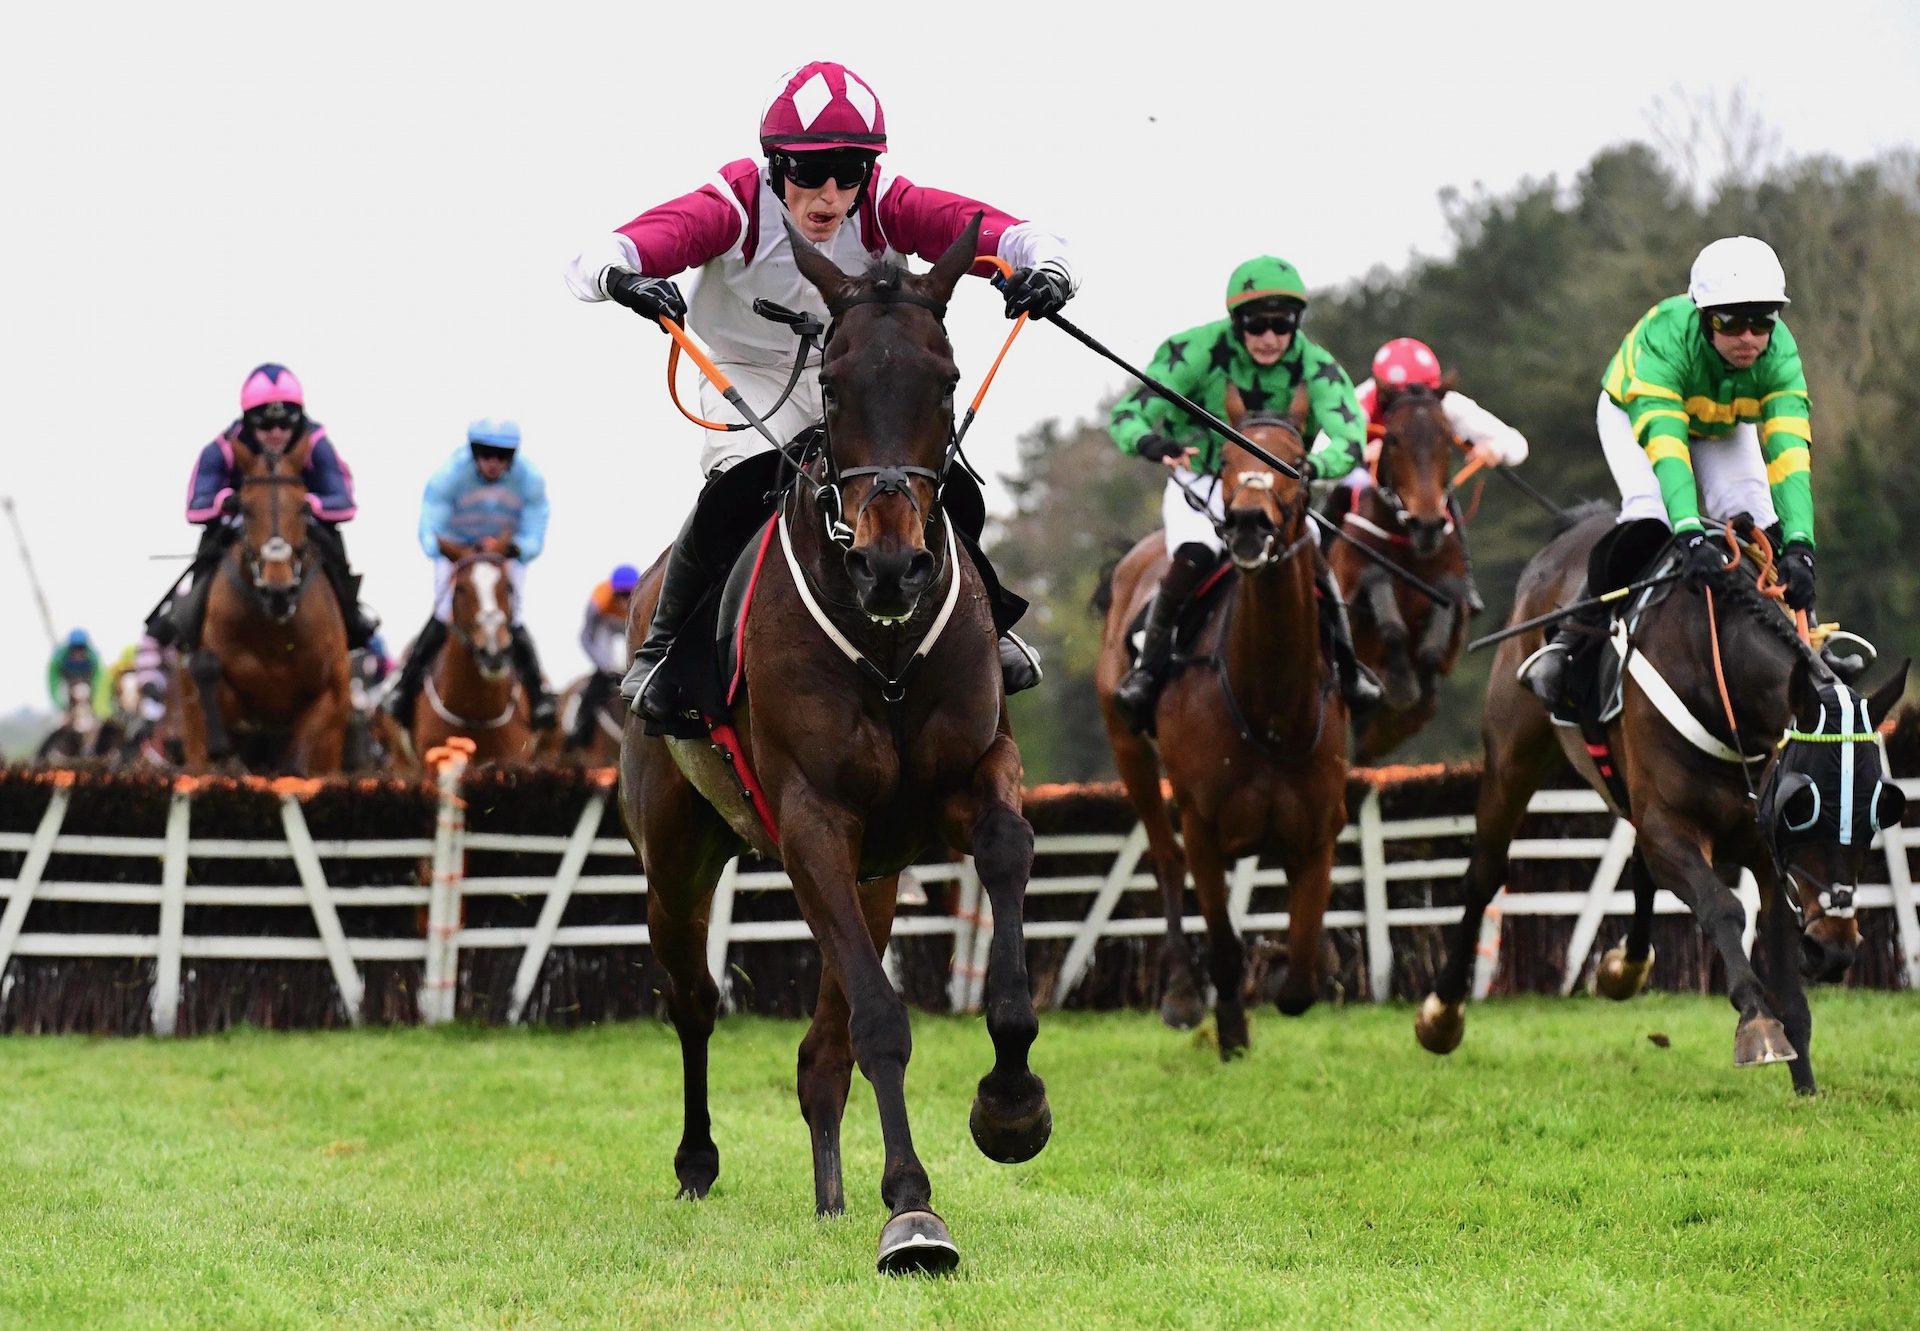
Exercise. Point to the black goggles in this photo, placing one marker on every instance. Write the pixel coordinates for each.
(1253, 325)
(1737, 319)
(274, 416)
(813, 170)
(483, 452)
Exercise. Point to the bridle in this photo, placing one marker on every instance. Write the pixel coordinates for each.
(279, 601)
(1398, 512)
(1293, 515)
(486, 617)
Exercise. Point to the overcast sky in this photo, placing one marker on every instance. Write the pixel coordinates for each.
(382, 196)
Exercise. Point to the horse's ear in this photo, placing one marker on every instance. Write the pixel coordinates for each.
(1803, 695)
(1448, 382)
(816, 267)
(1236, 405)
(298, 455)
(947, 271)
(1297, 411)
(1883, 699)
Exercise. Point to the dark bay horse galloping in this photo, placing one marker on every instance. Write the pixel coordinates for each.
(1407, 640)
(1254, 740)
(1821, 792)
(862, 764)
(472, 689)
(268, 684)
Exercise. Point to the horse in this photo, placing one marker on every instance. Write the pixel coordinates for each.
(1253, 738)
(1720, 676)
(81, 733)
(472, 689)
(1398, 631)
(874, 718)
(271, 668)
(602, 748)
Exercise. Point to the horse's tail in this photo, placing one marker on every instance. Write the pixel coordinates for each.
(1102, 599)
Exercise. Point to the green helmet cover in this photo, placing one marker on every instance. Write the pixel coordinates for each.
(1263, 279)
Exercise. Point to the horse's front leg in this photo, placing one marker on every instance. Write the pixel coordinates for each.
(821, 847)
(1377, 592)
(1309, 888)
(1443, 622)
(1676, 857)
(320, 734)
(1226, 954)
(826, 1057)
(1779, 929)
(1011, 1119)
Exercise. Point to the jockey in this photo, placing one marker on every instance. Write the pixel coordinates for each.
(75, 661)
(822, 135)
(603, 637)
(1703, 411)
(272, 416)
(1490, 441)
(485, 499)
(1259, 348)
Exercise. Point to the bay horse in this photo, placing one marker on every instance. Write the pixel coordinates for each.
(865, 754)
(269, 681)
(602, 746)
(1254, 740)
(1695, 815)
(472, 689)
(1398, 631)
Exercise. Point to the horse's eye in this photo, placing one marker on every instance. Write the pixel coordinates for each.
(828, 397)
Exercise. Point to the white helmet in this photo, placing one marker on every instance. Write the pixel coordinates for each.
(1738, 270)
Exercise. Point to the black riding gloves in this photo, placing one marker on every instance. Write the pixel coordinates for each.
(654, 298)
(1157, 448)
(1796, 566)
(1701, 556)
(1036, 291)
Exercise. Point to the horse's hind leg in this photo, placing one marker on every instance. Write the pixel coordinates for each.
(1622, 972)
(1520, 748)
(1011, 1119)
(1181, 1004)
(1226, 955)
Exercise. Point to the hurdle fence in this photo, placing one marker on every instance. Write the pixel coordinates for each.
(442, 891)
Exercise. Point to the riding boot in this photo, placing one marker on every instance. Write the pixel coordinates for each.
(399, 703)
(1357, 684)
(1556, 672)
(176, 620)
(526, 664)
(587, 715)
(1475, 605)
(684, 583)
(1137, 692)
(1019, 663)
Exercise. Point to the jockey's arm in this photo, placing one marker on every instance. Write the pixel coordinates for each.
(1503, 445)
(436, 512)
(531, 536)
(1786, 442)
(924, 222)
(679, 234)
(1334, 418)
(1662, 428)
(210, 484)
(329, 483)
(1177, 365)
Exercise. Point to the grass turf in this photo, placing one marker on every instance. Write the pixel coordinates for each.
(1561, 1169)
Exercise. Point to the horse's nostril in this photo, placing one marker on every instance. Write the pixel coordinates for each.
(920, 568)
(859, 567)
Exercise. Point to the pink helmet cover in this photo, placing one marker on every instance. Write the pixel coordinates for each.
(270, 383)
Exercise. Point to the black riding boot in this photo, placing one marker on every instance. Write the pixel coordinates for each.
(592, 694)
(176, 620)
(1135, 697)
(1557, 672)
(1357, 684)
(1474, 604)
(361, 626)
(526, 664)
(399, 703)
(681, 588)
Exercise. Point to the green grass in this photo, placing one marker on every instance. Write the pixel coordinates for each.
(1560, 1170)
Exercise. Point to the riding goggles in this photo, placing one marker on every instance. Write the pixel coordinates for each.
(482, 452)
(1733, 320)
(274, 416)
(1253, 325)
(813, 170)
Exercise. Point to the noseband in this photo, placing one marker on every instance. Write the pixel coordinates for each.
(1292, 515)
(276, 548)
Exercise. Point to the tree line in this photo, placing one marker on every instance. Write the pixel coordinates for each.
(1542, 283)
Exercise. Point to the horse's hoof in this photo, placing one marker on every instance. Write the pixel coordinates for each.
(1182, 1009)
(1011, 1139)
(1760, 1041)
(1440, 1026)
(1619, 979)
(917, 1242)
(1293, 1000)
(696, 1171)
(1230, 1033)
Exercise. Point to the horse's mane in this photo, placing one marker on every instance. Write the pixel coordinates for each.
(1569, 518)
(1736, 586)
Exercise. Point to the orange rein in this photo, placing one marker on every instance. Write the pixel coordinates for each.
(683, 342)
(1769, 586)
